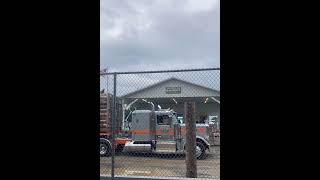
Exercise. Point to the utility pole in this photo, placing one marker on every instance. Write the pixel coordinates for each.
(191, 159)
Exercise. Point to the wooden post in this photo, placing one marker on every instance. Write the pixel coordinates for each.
(191, 159)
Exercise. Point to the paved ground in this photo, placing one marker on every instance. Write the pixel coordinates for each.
(143, 164)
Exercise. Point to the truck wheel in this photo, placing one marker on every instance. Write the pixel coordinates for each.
(119, 149)
(105, 150)
(200, 151)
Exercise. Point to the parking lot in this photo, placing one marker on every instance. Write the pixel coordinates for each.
(164, 165)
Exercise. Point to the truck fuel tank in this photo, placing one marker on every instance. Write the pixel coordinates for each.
(134, 147)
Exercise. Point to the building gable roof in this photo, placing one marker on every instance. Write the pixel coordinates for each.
(166, 81)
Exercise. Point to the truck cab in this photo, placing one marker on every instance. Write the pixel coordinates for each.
(161, 132)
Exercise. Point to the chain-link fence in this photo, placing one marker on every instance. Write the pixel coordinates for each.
(144, 118)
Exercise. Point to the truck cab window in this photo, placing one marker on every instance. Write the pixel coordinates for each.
(163, 120)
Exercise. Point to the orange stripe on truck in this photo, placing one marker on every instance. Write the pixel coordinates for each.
(147, 132)
(169, 132)
(141, 132)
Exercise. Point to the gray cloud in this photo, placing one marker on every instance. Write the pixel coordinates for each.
(159, 34)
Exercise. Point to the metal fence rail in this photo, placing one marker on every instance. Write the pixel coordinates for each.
(143, 128)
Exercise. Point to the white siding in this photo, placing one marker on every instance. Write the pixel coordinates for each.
(187, 90)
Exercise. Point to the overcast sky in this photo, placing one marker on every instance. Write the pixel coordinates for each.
(140, 35)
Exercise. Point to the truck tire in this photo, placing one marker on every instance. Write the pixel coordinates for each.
(105, 149)
(119, 149)
(200, 151)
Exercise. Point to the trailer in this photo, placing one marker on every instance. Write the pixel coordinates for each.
(106, 125)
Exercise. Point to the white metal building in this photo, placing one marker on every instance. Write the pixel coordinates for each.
(172, 93)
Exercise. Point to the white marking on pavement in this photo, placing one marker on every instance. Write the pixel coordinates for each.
(134, 172)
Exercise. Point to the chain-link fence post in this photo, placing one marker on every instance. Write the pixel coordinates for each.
(114, 116)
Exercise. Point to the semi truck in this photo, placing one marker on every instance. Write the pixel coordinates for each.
(157, 132)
